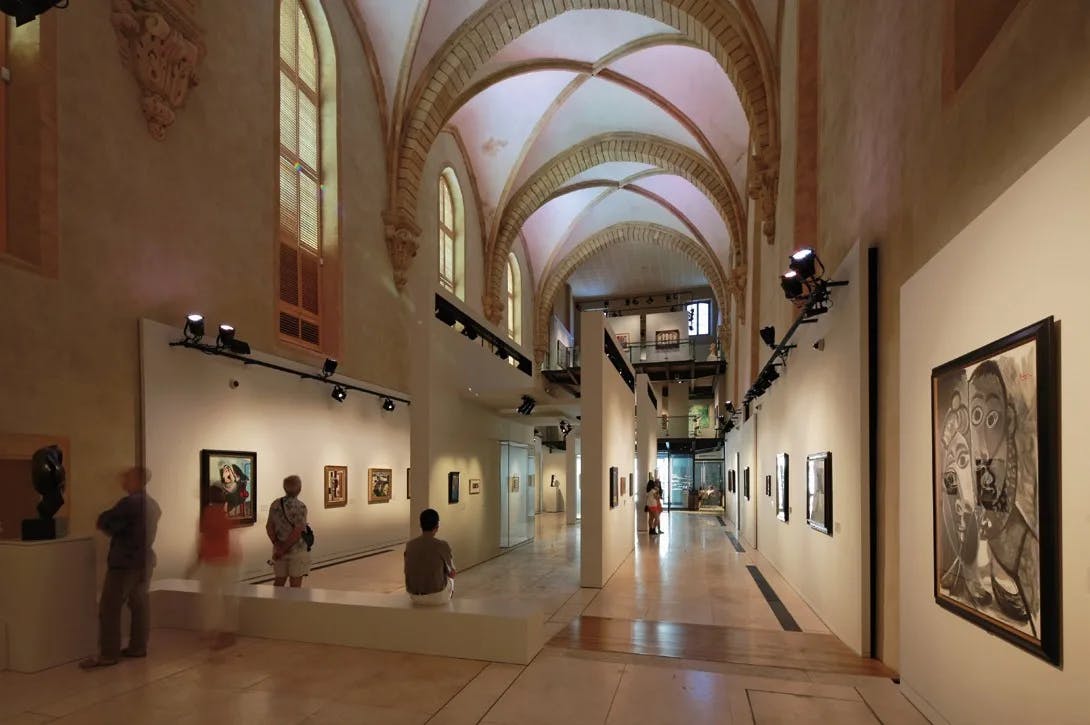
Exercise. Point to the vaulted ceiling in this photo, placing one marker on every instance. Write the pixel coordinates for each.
(581, 115)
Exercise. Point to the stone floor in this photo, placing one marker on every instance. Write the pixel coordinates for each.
(691, 574)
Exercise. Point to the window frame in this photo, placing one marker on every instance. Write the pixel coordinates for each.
(696, 307)
(514, 298)
(448, 231)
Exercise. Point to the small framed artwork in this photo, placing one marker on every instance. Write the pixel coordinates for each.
(380, 485)
(235, 472)
(336, 486)
(745, 483)
(408, 483)
(768, 486)
(996, 489)
(614, 487)
(454, 479)
(819, 492)
(782, 509)
(667, 340)
(514, 484)
(474, 485)
(553, 482)
(730, 481)
(622, 340)
(624, 485)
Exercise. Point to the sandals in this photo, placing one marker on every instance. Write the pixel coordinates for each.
(94, 662)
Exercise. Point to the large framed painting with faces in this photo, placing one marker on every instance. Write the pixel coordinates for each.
(995, 489)
(380, 485)
(235, 472)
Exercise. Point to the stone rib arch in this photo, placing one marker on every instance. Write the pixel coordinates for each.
(668, 155)
(664, 237)
(717, 27)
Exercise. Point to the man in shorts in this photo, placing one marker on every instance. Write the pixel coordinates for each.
(285, 527)
(429, 564)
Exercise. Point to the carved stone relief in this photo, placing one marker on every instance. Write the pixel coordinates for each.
(402, 234)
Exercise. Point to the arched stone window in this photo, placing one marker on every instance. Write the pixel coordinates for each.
(451, 234)
(514, 299)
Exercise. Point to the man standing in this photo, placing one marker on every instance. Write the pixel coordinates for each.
(429, 564)
(285, 527)
(131, 525)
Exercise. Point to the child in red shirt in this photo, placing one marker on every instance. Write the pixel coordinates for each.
(218, 571)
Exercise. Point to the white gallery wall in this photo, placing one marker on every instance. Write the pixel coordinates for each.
(293, 425)
(608, 440)
(818, 404)
(647, 444)
(1019, 262)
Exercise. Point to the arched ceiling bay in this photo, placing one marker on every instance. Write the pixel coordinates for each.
(633, 268)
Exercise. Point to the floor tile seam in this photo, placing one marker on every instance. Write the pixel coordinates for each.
(470, 681)
(820, 697)
(510, 684)
(617, 689)
(873, 712)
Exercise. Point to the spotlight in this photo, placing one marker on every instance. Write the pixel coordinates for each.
(650, 300)
(387, 405)
(194, 327)
(226, 336)
(730, 408)
(527, 406)
(339, 393)
(768, 334)
(445, 313)
(329, 367)
(469, 332)
(793, 287)
(502, 353)
(771, 375)
(804, 262)
(820, 345)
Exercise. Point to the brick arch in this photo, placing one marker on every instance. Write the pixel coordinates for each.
(668, 155)
(717, 27)
(663, 237)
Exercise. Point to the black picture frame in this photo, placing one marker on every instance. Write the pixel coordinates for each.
(730, 481)
(1010, 391)
(745, 483)
(783, 491)
(614, 487)
(239, 484)
(819, 492)
(768, 486)
(454, 480)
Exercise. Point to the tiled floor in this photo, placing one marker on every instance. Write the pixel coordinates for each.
(690, 575)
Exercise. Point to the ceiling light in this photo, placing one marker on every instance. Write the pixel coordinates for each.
(329, 367)
(501, 353)
(387, 404)
(469, 332)
(194, 327)
(445, 313)
(804, 262)
(650, 300)
(768, 334)
(226, 336)
(792, 285)
(339, 393)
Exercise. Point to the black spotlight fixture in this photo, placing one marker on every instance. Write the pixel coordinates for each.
(650, 300)
(793, 286)
(226, 336)
(771, 375)
(768, 335)
(527, 406)
(469, 332)
(329, 367)
(194, 327)
(24, 11)
(445, 314)
(502, 353)
(387, 405)
(339, 393)
(805, 263)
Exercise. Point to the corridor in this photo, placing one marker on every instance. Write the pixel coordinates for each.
(681, 633)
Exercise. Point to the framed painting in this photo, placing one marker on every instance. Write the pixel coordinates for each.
(336, 486)
(622, 340)
(745, 483)
(783, 510)
(996, 489)
(667, 339)
(768, 486)
(614, 487)
(235, 472)
(474, 486)
(819, 492)
(454, 479)
(515, 484)
(730, 481)
(408, 483)
(380, 485)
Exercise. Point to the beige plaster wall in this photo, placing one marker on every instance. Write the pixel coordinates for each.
(157, 229)
(958, 670)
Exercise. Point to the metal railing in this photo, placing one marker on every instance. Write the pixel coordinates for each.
(685, 426)
(562, 357)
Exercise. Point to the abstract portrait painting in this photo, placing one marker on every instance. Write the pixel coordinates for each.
(819, 492)
(782, 490)
(995, 489)
(236, 473)
(454, 486)
(745, 483)
(336, 486)
(380, 485)
(614, 487)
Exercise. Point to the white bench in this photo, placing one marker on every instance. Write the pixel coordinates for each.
(477, 629)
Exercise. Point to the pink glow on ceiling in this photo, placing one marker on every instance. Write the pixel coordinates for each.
(585, 35)
(610, 171)
(616, 208)
(599, 107)
(496, 123)
(693, 81)
(443, 18)
(691, 202)
(633, 268)
(388, 27)
(545, 226)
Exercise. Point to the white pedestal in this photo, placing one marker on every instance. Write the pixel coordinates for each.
(47, 602)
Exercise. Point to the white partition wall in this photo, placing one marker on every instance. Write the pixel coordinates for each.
(572, 507)
(647, 443)
(1017, 263)
(609, 429)
(191, 402)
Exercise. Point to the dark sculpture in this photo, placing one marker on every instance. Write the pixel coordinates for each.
(47, 475)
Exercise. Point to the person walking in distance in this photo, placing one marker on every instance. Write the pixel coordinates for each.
(285, 526)
(131, 525)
